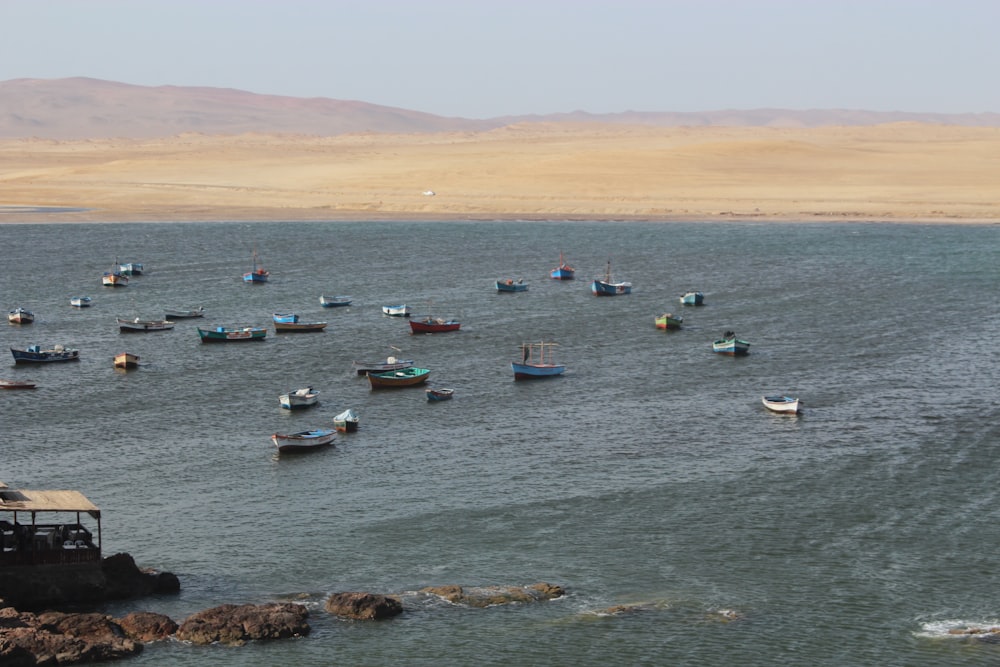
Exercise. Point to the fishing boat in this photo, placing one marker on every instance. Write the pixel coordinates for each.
(300, 398)
(131, 268)
(564, 271)
(80, 301)
(731, 345)
(20, 316)
(231, 334)
(33, 354)
(114, 278)
(257, 273)
(442, 394)
(390, 364)
(536, 362)
(511, 285)
(606, 287)
(782, 404)
(405, 377)
(401, 310)
(137, 325)
(433, 325)
(334, 301)
(303, 441)
(16, 384)
(669, 321)
(126, 360)
(692, 299)
(288, 323)
(346, 422)
(184, 314)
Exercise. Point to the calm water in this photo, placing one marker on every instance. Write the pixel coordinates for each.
(650, 474)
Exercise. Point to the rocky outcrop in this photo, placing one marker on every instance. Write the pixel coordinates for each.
(145, 626)
(237, 624)
(124, 579)
(487, 596)
(55, 638)
(363, 606)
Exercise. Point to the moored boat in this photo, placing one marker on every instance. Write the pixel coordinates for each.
(126, 360)
(34, 354)
(346, 422)
(669, 321)
(299, 399)
(20, 316)
(288, 322)
(80, 301)
(511, 285)
(334, 301)
(433, 325)
(303, 441)
(405, 377)
(782, 404)
(390, 364)
(137, 325)
(692, 299)
(731, 345)
(184, 314)
(131, 268)
(114, 279)
(16, 384)
(401, 310)
(536, 362)
(564, 271)
(231, 334)
(257, 273)
(605, 286)
(441, 394)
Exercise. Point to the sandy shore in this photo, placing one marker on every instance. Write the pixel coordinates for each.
(900, 172)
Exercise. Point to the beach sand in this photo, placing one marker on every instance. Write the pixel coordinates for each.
(897, 172)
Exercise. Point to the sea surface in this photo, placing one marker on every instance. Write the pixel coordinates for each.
(648, 476)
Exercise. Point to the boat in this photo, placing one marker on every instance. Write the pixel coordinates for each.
(126, 360)
(783, 404)
(257, 274)
(442, 394)
(433, 325)
(303, 441)
(33, 354)
(669, 321)
(731, 345)
(20, 316)
(401, 310)
(114, 278)
(536, 362)
(390, 364)
(134, 325)
(182, 314)
(80, 301)
(606, 287)
(16, 384)
(511, 285)
(564, 271)
(405, 377)
(346, 422)
(334, 301)
(231, 334)
(284, 323)
(692, 299)
(300, 398)
(131, 268)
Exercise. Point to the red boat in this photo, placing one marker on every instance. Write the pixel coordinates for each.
(433, 325)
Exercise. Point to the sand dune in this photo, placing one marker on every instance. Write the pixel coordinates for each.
(530, 171)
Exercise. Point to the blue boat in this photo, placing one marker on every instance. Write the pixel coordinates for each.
(692, 299)
(564, 271)
(33, 354)
(285, 317)
(606, 287)
(731, 345)
(536, 362)
(257, 274)
(511, 285)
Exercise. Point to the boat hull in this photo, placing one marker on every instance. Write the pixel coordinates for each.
(126, 360)
(299, 399)
(303, 441)
(224, 335)
(396, 311)
(114, 280)
(20, 316)
(346, 422)
(184, 314)
(16, 384)
(692, 299)
(603, 288)
(334, 301)
(536, 371)
(80, 301)
(408, 377)
(299, 327)
(378, 367)
(440, 394)
(36, 355)
(258, 276)
(781, 404)
(563, 273)
(732, 348)
(434, 326)
(668, 322)
(510, 285)
(139, 326)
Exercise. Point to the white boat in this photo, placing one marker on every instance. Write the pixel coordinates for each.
(128, 326)
(346, 421)
(300, 398)
(80, 301)
(334, 301)
(784, 404)
(20, 316)
(303, 440)
(397, 311)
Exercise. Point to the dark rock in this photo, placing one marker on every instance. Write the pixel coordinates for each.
(486, 596)
(125, 580)
(238, 624)
(363, 606)
(55, 638)
(145, 626)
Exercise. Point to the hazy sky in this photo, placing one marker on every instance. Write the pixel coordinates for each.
(484, 58)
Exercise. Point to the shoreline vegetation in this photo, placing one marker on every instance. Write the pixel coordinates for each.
(900, 172)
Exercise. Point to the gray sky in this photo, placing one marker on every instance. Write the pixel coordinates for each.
(485, 58)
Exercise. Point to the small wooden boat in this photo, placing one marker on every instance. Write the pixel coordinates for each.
(783, 404)
(401, 310)
(228, 334)
(564, 271)
(289, 323)
(257, 273)
(126, 360)
(80, 301)
(346, 422)
(16, 384)
(669, 321)
(20, 316)
(334, 301)
(511, 285)
(131, 268)
(536, 362)
(114, 279)
(433, 325)
(182, 314)
(692, 299)
(303, 441)
(299, 399)
(731, 345)
(442, 394)
(605, 286)
(137, 325)
(33, 354)
(390, 364)
(406, 377)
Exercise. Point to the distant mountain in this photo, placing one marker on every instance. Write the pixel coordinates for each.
(84, 108)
